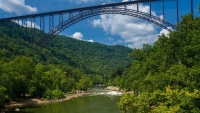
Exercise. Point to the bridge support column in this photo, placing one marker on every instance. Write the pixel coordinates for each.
(22, 33)
(177, 9)
(51, 23)
(33, 34)
(163, 10)
(70, 15)
(60, 19)
(42, 30)
(18, 26)
(150, 8)
(192, 7)
(42, 26)
(26, 25)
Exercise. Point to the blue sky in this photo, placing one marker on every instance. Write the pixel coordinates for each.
(105, 29)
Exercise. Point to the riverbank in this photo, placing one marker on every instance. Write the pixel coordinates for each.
(20, 103)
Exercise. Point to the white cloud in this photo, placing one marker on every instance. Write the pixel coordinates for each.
(96, 23)
(90, 40)
(17, 6)
(132, 30)
(28, 24)
(77, 35)
(165, 32)
(109, 39)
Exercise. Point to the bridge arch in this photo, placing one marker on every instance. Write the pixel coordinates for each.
(108, 10)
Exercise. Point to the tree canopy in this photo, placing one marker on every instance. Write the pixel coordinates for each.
(165, 76)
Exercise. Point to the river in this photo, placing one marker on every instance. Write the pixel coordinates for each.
(101, 102)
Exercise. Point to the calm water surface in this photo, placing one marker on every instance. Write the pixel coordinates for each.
(85, 104)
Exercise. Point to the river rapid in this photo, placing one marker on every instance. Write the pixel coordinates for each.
(102, 101)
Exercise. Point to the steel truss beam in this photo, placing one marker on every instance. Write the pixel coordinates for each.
(108, 10)
(121, 4)
(51, 22)
(33, 25)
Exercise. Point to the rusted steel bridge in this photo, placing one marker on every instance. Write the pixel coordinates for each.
(57, 21)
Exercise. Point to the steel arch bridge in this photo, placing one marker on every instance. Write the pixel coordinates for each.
(61, 20)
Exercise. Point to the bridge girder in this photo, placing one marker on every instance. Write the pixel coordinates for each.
(107, 10)
(121, 4)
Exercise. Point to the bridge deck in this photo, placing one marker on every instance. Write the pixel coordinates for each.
(83, 8)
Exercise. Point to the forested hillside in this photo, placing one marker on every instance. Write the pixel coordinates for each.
(165, 77)
(64, 65)
(94, 58)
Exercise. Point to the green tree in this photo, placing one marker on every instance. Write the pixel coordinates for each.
(16, 76)
(57, 94)
(171, 61)
(126, 103)
(70, 84)
(168, 101)
(3, 96)
(84, 83)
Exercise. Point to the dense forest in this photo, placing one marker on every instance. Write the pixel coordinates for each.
(94, 58)
(64, 65)
(165, 76)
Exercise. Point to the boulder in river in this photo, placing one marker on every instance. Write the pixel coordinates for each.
(112, 88)
(16, 109)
